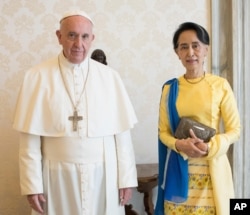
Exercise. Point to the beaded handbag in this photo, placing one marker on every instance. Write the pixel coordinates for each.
(201, 131)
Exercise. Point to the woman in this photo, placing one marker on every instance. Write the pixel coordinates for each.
(195, 176)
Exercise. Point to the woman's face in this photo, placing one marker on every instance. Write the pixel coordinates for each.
(191, 51)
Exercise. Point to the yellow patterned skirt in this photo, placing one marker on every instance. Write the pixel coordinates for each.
(200, 194)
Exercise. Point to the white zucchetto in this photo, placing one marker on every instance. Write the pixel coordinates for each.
(76, 13)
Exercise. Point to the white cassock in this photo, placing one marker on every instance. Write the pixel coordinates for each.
(80, 171)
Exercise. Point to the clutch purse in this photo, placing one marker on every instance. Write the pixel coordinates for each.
(201, 131)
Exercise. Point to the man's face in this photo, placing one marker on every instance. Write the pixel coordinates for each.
(75, 36)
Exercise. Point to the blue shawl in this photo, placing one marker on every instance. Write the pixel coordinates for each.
(173, 185)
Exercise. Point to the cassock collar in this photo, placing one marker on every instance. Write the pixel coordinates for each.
(65, 63)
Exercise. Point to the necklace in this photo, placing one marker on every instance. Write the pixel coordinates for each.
(75, 118)
(195, 82)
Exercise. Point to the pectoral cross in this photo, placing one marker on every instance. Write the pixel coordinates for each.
(75, 118)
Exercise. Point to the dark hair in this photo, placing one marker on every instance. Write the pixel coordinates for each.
(99, 56)
(200, 32)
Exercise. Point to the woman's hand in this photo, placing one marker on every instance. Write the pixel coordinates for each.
(193, 146)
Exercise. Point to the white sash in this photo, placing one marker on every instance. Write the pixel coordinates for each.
(73, 149)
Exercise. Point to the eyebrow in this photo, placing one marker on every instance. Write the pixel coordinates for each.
(196, 42)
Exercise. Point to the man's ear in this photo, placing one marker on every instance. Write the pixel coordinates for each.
(93, 37)
(58, 34)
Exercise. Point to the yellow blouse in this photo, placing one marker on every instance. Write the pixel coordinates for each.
(211, 102)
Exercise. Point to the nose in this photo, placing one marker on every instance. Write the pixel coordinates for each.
(78, 41)
(190, 51)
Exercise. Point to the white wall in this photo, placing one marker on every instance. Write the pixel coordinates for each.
(136, 36)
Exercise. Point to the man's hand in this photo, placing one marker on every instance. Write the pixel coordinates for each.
(125, 195)
(36, 202)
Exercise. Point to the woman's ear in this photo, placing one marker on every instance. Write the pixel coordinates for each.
(206, 51)
(176, 52)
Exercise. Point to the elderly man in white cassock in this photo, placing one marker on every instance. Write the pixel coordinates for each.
(74, 117)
